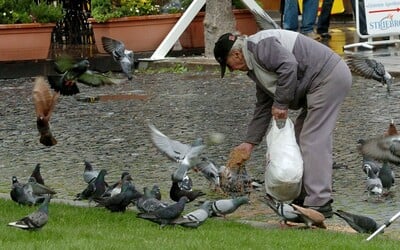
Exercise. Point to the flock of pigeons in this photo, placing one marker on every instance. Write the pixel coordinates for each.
(150, 206)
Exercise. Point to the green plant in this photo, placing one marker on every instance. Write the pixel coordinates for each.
(103, 10)
(30, 11)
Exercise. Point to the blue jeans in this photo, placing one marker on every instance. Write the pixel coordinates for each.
(324, 17)
(290, 15)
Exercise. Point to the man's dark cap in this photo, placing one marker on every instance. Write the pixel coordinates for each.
(222, 48)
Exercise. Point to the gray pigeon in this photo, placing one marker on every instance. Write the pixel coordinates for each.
(30, 193)
(95, 189)
(370, 68)
(35, 220)
(156, 192)
(264, 21)
(89, 174)
(360, 223)
(386, 176)
(148, 203)
(224, 207)
(165, 215)
(37, 175)
(373, 183)
(185, 154)
(195, 218)
(369, 164)
(384, 148)
(120, 54)
(209, 170)
(117, 186)
(283, 210)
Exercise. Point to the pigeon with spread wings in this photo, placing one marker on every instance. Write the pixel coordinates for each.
(120, 54)
(44, 100)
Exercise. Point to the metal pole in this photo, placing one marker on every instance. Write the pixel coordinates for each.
(386, 224)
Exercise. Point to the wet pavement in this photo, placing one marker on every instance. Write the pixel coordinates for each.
(185, 102)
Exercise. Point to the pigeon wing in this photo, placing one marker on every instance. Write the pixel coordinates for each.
(264, 21)
(113, 47)
(94, 79)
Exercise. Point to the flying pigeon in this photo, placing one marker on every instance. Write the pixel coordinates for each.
(89, 174)
(224, 207)
(95, 189)
(35, 220)
(184, 154)
(70, 73)
(310, 216)
(165, 215)
(119, 202)
(195, 218)
(36, 174)
(209, 170)
(384, 148)
(121, 55)
(283, 210)
(370, 68)
(264, 21)
(44, 100)
(176, 193)
(360, 223)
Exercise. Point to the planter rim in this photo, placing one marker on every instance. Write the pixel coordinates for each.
(129, 18)
(27, 25)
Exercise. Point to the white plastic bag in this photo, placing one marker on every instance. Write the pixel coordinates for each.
(284, 170)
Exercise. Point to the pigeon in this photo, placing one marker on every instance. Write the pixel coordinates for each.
(35, 220)
(36, 174)
(89, 174)
(370, 68)
(165, 215)
(121, 55)
(117, 186)
(95, 189)
(156, 192)
(283, 210)
(209, 170)
(30, 193)
(264, 21)
(224, 207)
(310, 216)
(176, 193)
(360, 223)
(370, 165)
(184, 154)
(384, 148)
(373, 183)
(386, 176)
(147, 203)
(44, 100)
(195, 218)
(70, 73)
(119, 202)
(186, 183)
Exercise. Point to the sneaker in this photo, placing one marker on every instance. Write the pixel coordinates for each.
(313, 35)
(326, 209)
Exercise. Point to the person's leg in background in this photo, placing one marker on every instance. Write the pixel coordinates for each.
(324, 19)
(290, 15)
(309, 16)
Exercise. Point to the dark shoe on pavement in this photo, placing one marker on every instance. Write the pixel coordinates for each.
(326, 209)
(325, 35)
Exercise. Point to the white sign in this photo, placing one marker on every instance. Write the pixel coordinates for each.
(382, 17)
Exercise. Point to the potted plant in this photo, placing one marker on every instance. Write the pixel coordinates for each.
(138, 23)
(26, 27)
(193, 36)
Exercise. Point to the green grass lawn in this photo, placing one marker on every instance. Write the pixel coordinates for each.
(72, 227)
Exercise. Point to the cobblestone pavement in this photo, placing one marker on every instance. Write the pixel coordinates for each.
(114, 135)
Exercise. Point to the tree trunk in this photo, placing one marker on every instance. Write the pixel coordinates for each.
(218, 20)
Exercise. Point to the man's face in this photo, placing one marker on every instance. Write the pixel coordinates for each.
(235, 61)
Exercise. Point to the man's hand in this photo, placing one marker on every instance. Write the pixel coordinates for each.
(279, 114)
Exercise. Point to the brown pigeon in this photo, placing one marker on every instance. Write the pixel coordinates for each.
(310, 216)
(45, 100)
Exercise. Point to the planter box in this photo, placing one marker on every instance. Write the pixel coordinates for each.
(28, 41)
(139, 33)
(193, 36)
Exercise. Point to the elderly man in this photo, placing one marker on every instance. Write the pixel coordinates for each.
(292, 71)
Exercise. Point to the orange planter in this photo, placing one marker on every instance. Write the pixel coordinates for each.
(139, 33)
(193, 36)
(28, 41)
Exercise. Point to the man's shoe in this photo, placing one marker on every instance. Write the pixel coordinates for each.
(326, 209)
(325, 35)
(313, 35)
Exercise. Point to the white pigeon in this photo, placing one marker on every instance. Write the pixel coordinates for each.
(184, 154)
(120, 54)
